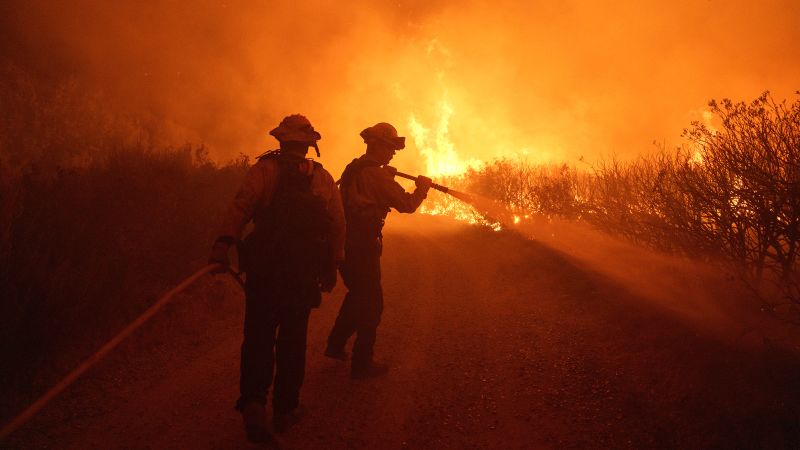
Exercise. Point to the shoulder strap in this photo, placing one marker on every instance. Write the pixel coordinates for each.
(269, 154)
(353, 169)
(308, 165)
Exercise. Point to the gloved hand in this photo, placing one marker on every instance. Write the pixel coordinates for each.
(423, 183)
(219, 255)
(328, 279)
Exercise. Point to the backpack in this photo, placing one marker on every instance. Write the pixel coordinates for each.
(289, 249)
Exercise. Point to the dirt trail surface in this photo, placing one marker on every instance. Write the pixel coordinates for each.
(495, 341)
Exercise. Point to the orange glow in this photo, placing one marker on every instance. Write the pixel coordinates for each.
(465, 81)
(439, 153)
(442, 205)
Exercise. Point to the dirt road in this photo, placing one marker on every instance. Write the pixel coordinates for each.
(495, 341)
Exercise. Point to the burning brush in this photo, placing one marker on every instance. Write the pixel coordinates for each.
(494, 215)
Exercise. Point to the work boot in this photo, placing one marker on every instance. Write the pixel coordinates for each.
(284, 421)
(255, 423)
(336, 353)
(370, 370)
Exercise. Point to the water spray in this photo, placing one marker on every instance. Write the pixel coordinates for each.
(489, 209)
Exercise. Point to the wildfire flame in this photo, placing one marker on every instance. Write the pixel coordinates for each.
(435, 145)
(443, 163)
(697, 150)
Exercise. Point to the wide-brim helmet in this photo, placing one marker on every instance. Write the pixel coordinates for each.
(295, 128)
(386, 133)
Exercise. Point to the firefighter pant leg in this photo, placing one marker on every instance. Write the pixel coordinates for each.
(345, 324)
(362, 306)
(257, 360)
(290, 350)
(366, 332)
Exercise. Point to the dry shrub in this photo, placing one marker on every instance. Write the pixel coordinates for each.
(91, 236)
(92, 247)
(548, 190)
(732, 194)
(744, 187)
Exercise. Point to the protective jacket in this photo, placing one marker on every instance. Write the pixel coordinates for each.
(368, 193)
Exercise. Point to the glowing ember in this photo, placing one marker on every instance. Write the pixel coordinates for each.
(439, 204)
(697, 149)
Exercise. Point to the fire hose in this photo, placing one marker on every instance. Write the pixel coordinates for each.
(463, 196)
(76, 373)
(397, 173)
(438, 187)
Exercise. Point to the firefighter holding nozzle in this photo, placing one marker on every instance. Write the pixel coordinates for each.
(368, 192)
(291, 255)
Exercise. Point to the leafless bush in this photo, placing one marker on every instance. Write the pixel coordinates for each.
(730, 194)
(548, 190)
(744, 182)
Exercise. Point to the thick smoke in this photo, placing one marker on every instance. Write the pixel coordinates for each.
(553, 80)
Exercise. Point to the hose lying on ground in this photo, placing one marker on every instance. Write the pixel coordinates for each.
(76, 373)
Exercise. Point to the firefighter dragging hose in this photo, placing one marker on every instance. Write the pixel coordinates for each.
(298, 243)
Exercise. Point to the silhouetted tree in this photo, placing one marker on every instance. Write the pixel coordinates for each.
(744, 182)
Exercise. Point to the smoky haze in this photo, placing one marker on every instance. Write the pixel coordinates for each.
(546, 80)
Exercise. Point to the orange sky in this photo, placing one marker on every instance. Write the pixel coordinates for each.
(548, 81)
